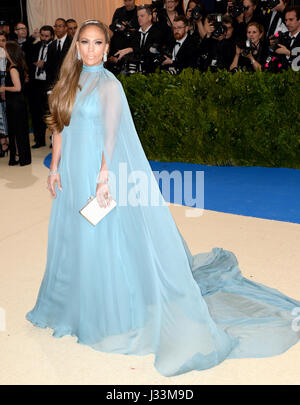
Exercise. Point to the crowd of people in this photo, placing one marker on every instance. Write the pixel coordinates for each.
(234, 35)
(167, 35)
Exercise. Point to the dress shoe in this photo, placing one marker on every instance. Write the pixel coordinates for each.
(13, 163)
(38, 145)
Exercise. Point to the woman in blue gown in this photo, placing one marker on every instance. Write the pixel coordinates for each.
(130, 284)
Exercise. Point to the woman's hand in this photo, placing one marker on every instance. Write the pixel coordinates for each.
(103, 195)
(52, 180)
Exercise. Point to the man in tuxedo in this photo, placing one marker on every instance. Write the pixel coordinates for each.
(57, 52)
(148, 36)
(274, 20)
(183, 48)
(291, 51)
(38, 84)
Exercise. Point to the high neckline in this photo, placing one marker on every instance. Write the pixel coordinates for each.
(96, 68)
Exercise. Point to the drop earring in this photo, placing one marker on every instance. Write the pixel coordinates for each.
(78, 55)
(105, 57)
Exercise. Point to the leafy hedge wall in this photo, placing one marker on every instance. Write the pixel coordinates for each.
(246, 119)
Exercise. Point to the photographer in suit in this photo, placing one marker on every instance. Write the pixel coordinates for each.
(143, 40)
(57, 51)
(290, 50)
(274, 20)
(183, 49)
(124, 23)
(38, 84)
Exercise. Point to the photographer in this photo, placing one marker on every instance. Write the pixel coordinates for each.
(274, 19)
(124, 23)
(290, 51)
(244, 12)
(165, 19)
(250, 55)
(215, 51)
(196, 13)
(183, 49)
(142, 41)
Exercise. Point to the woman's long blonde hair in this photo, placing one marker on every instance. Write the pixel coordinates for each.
(62, 97)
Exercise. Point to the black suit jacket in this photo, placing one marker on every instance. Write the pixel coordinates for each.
(34, 58)
(55, 60)
(186, 55)
(271, 29)
(154, 38)
(295, 50)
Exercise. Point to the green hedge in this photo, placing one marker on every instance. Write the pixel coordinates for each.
(246, 119)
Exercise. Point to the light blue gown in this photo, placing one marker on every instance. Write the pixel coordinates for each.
(130, 284)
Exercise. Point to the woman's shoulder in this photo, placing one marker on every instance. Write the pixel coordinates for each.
(110, 82)
(17, 68)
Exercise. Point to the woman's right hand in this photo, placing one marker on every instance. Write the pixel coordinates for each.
(51, 182)
(103, 195)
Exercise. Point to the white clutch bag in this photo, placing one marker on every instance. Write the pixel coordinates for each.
(93, 212)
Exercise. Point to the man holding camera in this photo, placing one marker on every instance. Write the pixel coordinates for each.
(291, 49)
(124, 23)
(143, 40)
(274, 19)
(183, 48)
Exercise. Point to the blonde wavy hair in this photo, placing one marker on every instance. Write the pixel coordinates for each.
(62, 97)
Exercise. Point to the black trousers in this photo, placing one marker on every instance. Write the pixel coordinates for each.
(39, 108)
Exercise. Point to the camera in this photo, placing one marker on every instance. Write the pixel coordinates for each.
(157, 55)
(269, 4)
(247, 47)
(281, 38)
(220, 28)
(132, 64)
(117, 25)
(197, 12)
(237, 8)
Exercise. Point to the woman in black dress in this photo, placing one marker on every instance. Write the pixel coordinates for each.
(254, 59)
(3, 121)
(16, 111)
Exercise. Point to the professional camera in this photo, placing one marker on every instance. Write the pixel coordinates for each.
(237, 8)
(118, 24)
(157, 55)
(247, 47)
(269, 4)
(197, 12)
(281, 38)
(220, 28)
(132, 64)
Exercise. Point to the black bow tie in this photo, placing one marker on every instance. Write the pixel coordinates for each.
(177, 43)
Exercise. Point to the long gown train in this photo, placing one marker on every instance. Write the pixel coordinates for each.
(130, 284)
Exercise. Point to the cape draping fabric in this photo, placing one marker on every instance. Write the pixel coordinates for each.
(130, 284)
